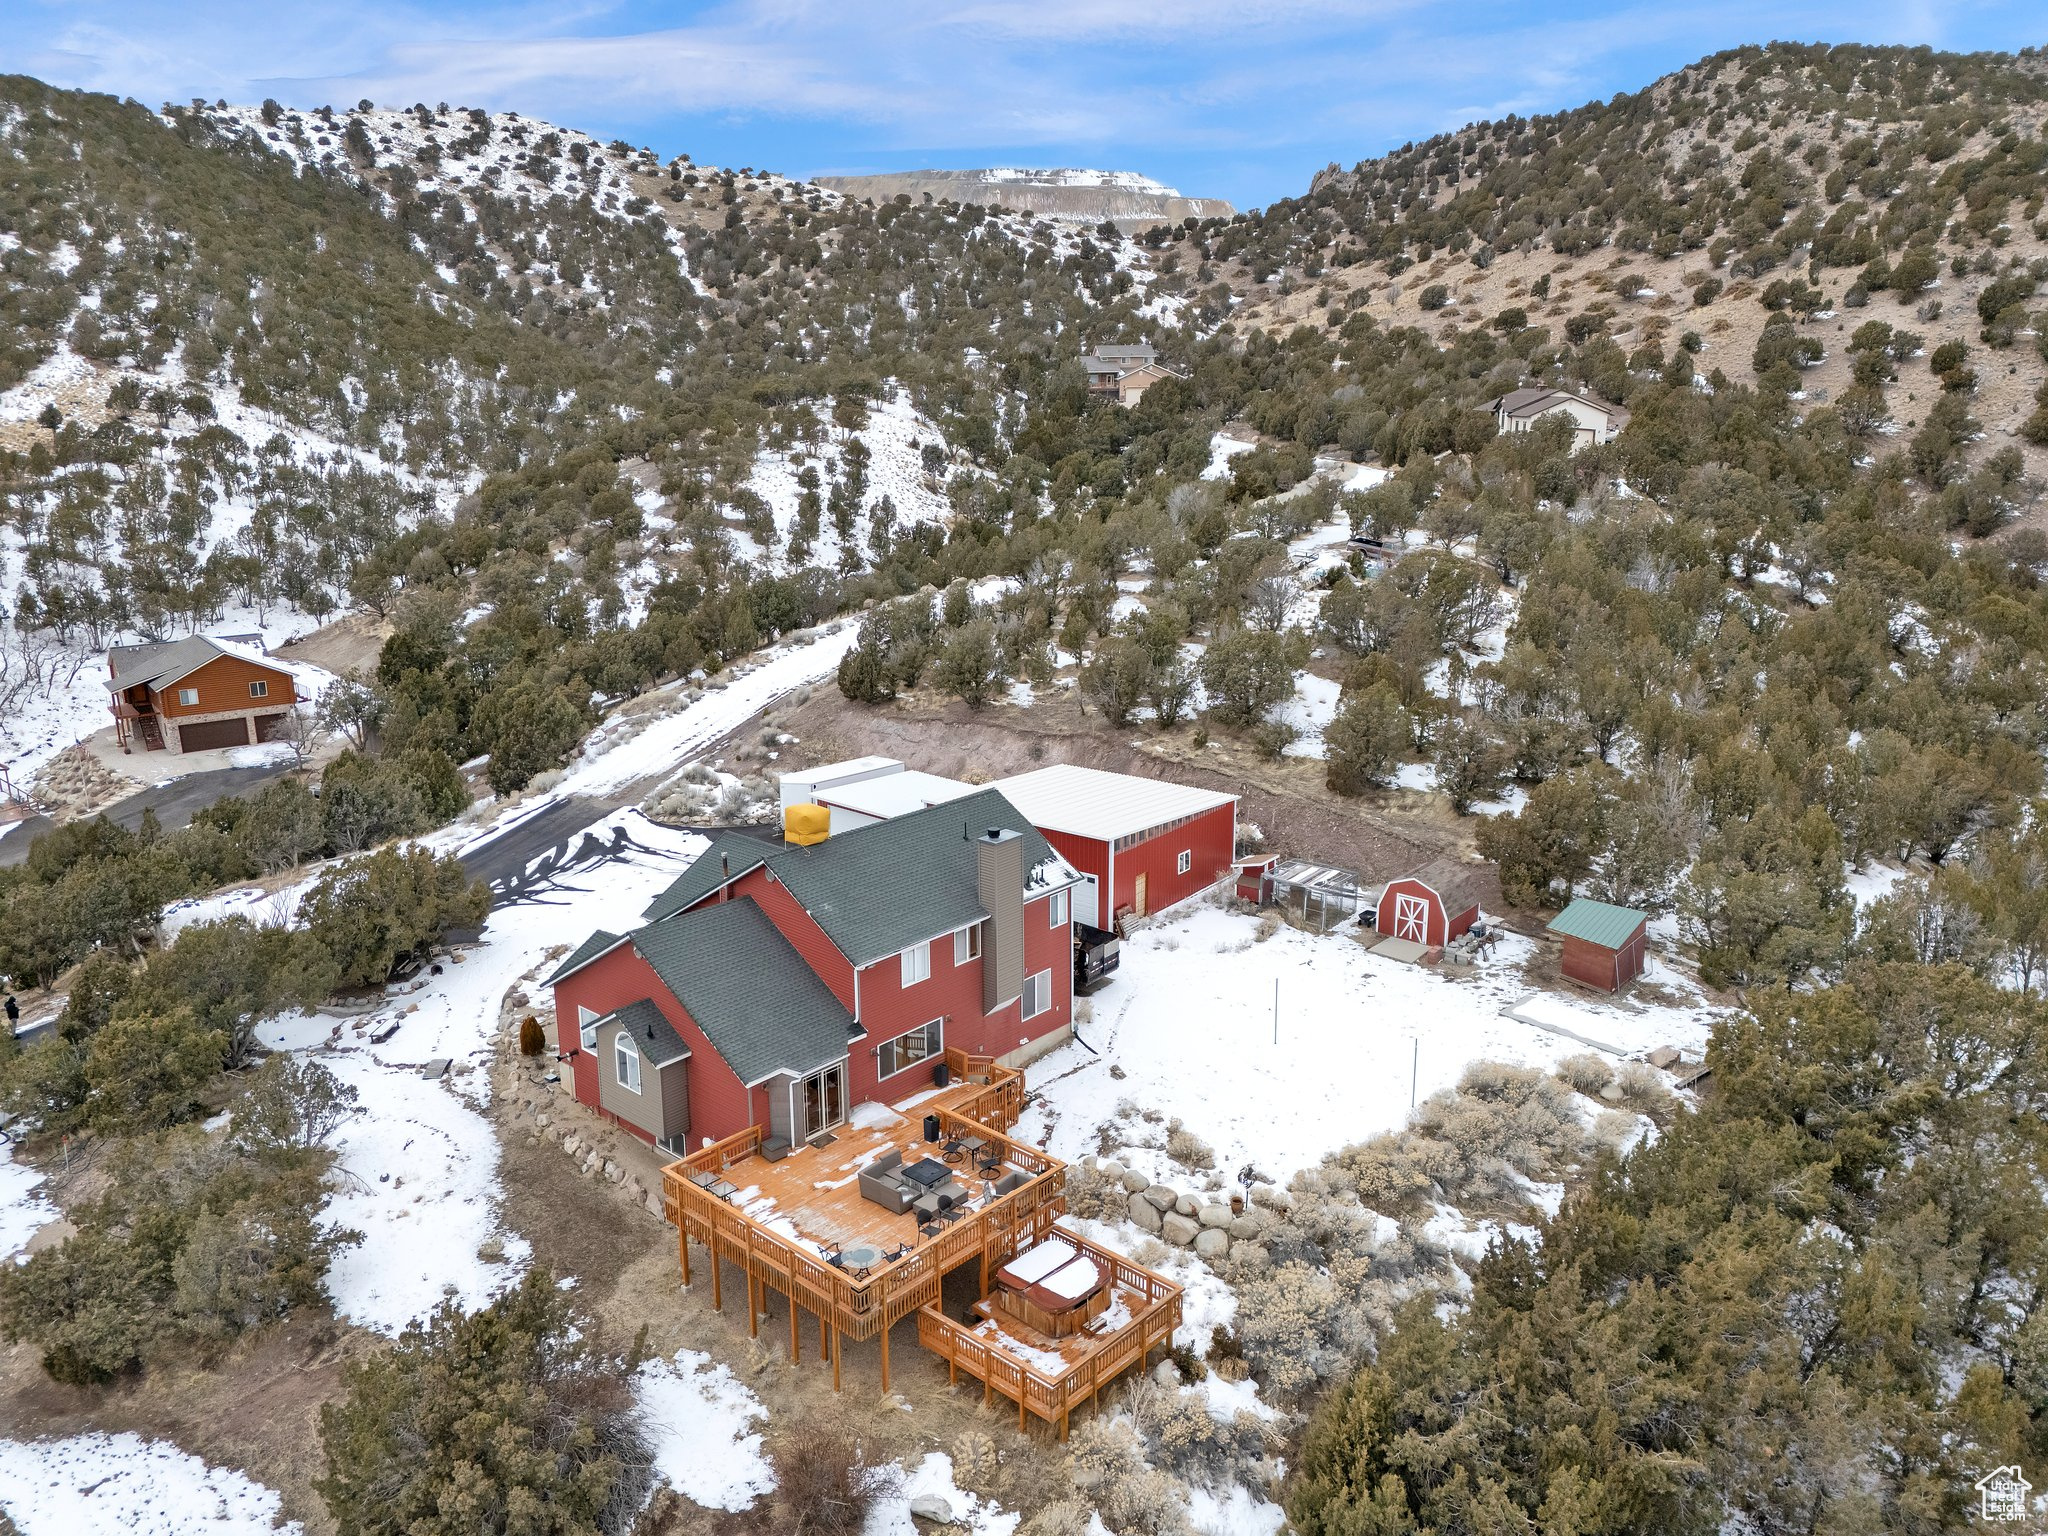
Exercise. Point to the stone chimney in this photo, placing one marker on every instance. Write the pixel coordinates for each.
(999, 881)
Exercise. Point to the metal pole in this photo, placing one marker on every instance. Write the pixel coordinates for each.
(1414, 1069)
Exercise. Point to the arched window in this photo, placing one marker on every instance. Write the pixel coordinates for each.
(628, 1063)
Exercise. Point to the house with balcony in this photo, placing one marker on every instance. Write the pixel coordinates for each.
(197, 694)
(783, 985)
(830, 1032)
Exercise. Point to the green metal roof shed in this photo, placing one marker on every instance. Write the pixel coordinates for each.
(1597, 923)
(1604, 945)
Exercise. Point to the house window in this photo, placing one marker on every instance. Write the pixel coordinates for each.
(586, 1025)
(259, 689)
(967, 944)
(628, 1063)
(1187, 860)
(1037, 994)
(1056, 909)
(188, 696)
(920, 1044)
(917, 963)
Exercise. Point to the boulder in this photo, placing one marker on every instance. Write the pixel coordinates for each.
(932, 1507)
(1135, 1182)
(1247, 1227)
(1178, 1230)
(1167, 1374)
(1114, 1172)
(1214, 1216)
(1164, 1197)
(1145, 1214)
(1186, 1205)
(1212, 1243)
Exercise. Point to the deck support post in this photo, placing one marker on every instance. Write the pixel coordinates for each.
(753, 1308)
(796, 1343)
(717, 1280)
(835, 1359)
(683, 1236)
(885, 1361)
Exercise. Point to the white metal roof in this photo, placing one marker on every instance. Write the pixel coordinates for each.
(1088, 802)
(894, 794)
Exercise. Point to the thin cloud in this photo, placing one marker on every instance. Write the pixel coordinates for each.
(1223, 97)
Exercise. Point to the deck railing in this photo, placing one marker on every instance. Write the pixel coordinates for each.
(861, 1308)
(1054, 1396)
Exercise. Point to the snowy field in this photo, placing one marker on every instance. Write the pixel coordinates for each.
(1190, 1022)
(895, 435)
(703, 1421)
(419, 1169)
(23, 1210)
(123, 1485)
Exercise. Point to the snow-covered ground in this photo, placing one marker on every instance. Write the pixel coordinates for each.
(703, 1421)
(627, 748)
(933, 1478)
(1190, 1021)
(895, 435)
(1310, 712)
(23, 1209)
(1222, 450)
(123, 1485)
(419, 1169)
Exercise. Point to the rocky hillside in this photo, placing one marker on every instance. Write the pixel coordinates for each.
(1067, 196)
(1826, 188)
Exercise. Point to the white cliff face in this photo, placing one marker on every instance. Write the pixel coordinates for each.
(1064, 194)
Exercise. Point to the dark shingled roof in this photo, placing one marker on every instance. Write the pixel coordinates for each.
(656, 1038)
(758, 1004)
(706, 874)
(583, 954)
(881, 888)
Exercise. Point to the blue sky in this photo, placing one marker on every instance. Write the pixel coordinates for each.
(1242, 99)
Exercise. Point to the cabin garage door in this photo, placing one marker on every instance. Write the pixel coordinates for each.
(205, 734)
(270, 727)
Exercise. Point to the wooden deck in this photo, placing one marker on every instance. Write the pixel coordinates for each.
(783, 1223)
(778, 1222)
(1049, 1378)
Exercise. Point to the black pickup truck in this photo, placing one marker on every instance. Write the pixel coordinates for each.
(1096, 957)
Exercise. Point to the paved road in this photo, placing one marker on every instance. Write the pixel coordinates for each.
(175, 805)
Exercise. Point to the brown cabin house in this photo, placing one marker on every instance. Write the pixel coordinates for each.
(197, 693)
(1125, 371)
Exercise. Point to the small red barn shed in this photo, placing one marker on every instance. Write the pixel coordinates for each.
(1140, 844)
(1603, 945)
(1431, 907)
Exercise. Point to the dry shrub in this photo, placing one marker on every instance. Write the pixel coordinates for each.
(1107, 1464)
(1295, 1328)
(1188, 1149)
(532, 1038)
(1586, 1073)
(825, 1485)
(1614, 1128)
(1386, 1172)
(974, 1462)
(1062, 1517)
(1642, 1088)
(1094, 1196)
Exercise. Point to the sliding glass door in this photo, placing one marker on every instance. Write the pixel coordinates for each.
(821, 1100)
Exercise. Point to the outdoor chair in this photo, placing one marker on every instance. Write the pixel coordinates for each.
(881, 1183)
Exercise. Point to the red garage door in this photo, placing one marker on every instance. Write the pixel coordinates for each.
(203, 734)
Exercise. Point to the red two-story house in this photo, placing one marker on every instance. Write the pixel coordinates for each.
(783, 986)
